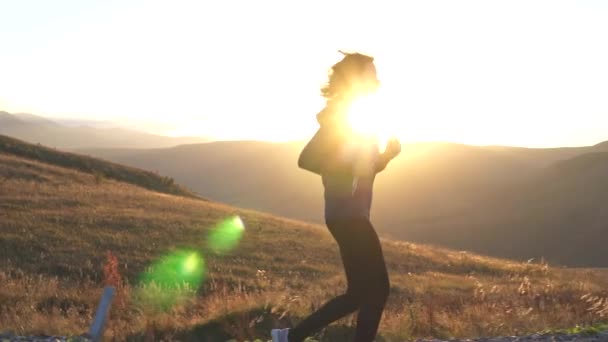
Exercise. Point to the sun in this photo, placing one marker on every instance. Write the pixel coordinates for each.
(370, 116)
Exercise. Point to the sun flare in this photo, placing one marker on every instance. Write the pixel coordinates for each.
(370, 117)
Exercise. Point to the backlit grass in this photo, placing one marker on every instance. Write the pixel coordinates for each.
(56, 226)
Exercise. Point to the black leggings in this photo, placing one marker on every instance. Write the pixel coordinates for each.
(368, 284)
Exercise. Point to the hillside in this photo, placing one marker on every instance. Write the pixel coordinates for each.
(100, 169)
(483, 199)
(57, 223)
(36, 129)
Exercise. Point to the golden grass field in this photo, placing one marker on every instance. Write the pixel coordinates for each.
(57, 224)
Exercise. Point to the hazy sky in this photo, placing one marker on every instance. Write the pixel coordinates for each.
(528, 73)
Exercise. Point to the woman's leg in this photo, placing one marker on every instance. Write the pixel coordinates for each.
(367, 280)
(372, 276)
(331, 311)
(342, 305)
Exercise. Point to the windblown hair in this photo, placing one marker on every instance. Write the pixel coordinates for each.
(342, 74)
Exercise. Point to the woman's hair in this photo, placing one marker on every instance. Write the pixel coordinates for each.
(344, 73)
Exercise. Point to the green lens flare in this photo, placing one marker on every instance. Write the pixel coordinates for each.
(191, 263)
(226, 235)
(170, 280)
(176, 270)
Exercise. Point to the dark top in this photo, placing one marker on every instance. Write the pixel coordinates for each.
(347, 164)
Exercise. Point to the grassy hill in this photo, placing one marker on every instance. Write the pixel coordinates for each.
(502, 201)
(99, 168)
(57, 223)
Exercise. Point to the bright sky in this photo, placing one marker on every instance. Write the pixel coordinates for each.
(526, 73)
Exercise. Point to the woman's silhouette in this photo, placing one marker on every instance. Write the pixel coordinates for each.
(348, 163)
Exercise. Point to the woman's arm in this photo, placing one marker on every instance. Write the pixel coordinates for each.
(313, 153)
(382, 162)
(321, 154)
(393, 148)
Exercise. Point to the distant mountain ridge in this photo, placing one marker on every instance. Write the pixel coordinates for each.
(601, 146)
(588, 162)
(38, 129)
(31, 118)
(8, 119)
(503, 201)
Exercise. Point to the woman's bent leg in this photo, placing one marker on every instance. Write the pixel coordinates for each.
(342, 305)
(333, 310)
(367, 278)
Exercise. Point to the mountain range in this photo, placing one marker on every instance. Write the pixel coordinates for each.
(74, 134)
(523, 203)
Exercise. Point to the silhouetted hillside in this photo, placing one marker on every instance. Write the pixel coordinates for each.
(546, 156)
(596, 162)
(569, 205)
(557, 212)
(100, 168)
(484, 199)
(603, 146)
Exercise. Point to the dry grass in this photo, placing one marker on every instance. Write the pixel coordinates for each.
(56, 226)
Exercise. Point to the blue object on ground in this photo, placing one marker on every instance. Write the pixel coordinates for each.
(96, 330)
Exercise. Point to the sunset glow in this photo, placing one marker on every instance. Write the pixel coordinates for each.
(372, 117)
(474, 72)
